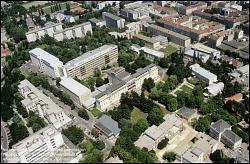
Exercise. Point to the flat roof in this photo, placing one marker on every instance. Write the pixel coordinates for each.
(243, 69)
(203, 48)
(145, 141)
(112, 16)
(74, 86)
(153, 52)
(215, 88)
(186, 112)
(196, 68)
(43, 55)
(90, 55)
(145, 38)
(107, 124)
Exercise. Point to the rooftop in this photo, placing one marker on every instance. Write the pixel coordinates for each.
(236, 97)
(186, 112)
(244, 69)
(215, 88)
(153, 52)
(112, 16)
(145, 38)
(108, 125)
(220, 126)
(203, 72)
(231, 136)
(74, 86)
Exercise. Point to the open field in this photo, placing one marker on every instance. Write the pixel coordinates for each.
(33, 3)
(185, 88)
(47, 10)
(169, 50)
(136, 114)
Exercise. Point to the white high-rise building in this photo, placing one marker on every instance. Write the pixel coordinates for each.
(46, 62)
(46, 145)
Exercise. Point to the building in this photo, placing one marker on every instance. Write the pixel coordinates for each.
(107, 126)
(56, 31)
(172, 36)
(221, 131)
(202, 74)
(215, 40)
(76, 31)
(112, 20)
(120, 82)
(191, 53)
(244, 70)
(189, 9)
(69, 19)
(46, 62)
(192, 26)
(30, 24)
(198, 150)
(214, 89)
(77, 92)
(86, 64)
(162, 39)
(170, 128)
(149, 42)
(114, 160)
(187, 113)
(149, 53)
(102, 4)
(97, 22)
(202, 48)
(237, 97)
(46, 145)
(34, 100)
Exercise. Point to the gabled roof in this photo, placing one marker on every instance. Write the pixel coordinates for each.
(108, 125)
(220, 125)
(231, 136)
(186, 112)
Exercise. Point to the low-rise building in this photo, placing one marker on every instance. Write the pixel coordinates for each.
(201, 73)
(149, 42)
(30, 24)
(170, 128)
(189, 9)
(214, 89)
(187, 113)
(78, 93)
(107, 126)
(112, 20)
(46, 62)
(216, 39)
(45, 146)
(36, 101)
(120, 82)
(221, 131)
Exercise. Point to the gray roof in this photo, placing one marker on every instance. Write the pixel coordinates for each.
(112, 16)
(141, 71)
(220, 125)
(94, 20)
(107, 125)
(231, 136)
(186, 112)
(110, 89)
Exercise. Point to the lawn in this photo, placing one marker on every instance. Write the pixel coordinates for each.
(96, 112)
(47, 10)
(33, 3)
(186, 89)
(169, 50)
(136, 114)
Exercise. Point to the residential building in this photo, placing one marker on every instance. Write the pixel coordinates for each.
(69, 19)
(171, 128)
(237, 97)
(214, 89)
(203, 74)
(215, 40)
(107, 126)
(86, 64)
(97, 22)
(187, 10)
(149, 42)
(221, 131)
(46, 62)
(192, 26)
(172, 36)
(114, 160)
(77, 92)
(202, 48)
(120, 82)
(112, 20)
(36, 101)
(187, 113)
(46, 145)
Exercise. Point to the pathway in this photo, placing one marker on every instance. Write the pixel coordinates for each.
(185, 82)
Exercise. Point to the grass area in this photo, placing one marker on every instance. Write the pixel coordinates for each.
(96, 112)
(34, 3)
(136, 114)
(47, 10)
(178, 91)
(169, 50)
(165, 111)
(186, 89)
(193, 81)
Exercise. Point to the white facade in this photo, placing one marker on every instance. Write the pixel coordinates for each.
(208, 77)
(35, 100)
(77, 92)
(215, 88)
(46, 62)
(111, 96)
(41, 147)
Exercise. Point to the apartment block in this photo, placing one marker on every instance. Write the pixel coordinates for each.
(56, 31)
(172, 36)
(112, 20)
(46, 145)
(46, 62)
(122, 82)
(36, 101)
(202, 74)
(86, 64)
(97, 22)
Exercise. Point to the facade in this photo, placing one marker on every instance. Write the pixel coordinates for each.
(170, 128)
(107, 126)
(56, 31)
(77, 92)
(221, 131)
(97, 23)
(122, 82)
(174, 37)
(113, 21)
(36, 101)
(215, 40)
(215, 88)
(86, 64)
(205, 49)
(46, 62)
(46, 145)
(187, 10)
(201, 73)
(149, 42)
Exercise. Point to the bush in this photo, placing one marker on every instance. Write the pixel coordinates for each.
(83, 114)
(95, 132)
(163, 143)
(99, 145)
(170, 156)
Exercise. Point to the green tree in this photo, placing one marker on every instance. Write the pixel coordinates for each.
(170, 156)
(172, 104)
(96, 156)
(100, 145)
(95, 132)
(163, 143)
(99, 82)
(155, 116)
(83, 114)
(74, 134)
(202, 124)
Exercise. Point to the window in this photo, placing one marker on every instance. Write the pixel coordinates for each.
(107, 59)
(82, 70)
